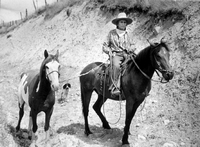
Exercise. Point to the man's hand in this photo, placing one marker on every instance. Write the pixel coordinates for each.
(105, 48)
(110, 53)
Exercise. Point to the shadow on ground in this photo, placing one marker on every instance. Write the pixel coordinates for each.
(20, 137)
(111, 138)
(100, 136)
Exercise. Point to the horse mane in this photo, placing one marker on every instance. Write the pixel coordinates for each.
(45, 61)
(148, 48)
(145, 52)
(166, 46)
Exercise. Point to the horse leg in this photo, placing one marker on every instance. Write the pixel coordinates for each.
(86, 97)
(21, 114)
(97, 107)
(35, 127)
(131, 108)
(47, 121)
(30, 125)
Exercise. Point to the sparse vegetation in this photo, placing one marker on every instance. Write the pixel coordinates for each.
(21, 138)
(3, 133)
(154, 8)
(58, 7)
(148, 7)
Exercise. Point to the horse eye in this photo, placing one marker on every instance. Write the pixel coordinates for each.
(46, 67)
(158, 56)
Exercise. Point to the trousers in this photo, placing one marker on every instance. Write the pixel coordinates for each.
(115, 71)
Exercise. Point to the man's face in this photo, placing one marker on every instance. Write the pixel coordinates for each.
(122, 24)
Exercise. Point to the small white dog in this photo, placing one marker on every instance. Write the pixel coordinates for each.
(65, 92)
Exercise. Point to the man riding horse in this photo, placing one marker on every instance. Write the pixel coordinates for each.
(117, 45)
(136, 80)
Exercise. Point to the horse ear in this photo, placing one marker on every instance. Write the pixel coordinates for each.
(46, 54)
(151, 44)
(163, 40)
(57, 54)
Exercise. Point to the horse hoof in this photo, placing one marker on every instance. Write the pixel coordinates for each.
(125, 145)
(29, 137)
(87, 133)
(48, 144)
(125, 142)
(17, 129)
(33, 144)
(106, 126)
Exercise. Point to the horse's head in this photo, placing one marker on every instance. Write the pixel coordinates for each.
(160, 59)
(50, 68)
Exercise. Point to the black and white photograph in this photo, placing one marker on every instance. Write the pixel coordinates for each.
(100, 73)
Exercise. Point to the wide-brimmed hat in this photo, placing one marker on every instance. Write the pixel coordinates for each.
(122, 16)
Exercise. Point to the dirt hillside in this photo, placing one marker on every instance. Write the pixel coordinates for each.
(170, 116)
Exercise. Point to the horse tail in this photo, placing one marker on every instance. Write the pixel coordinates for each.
(82, 94)
(87, 85)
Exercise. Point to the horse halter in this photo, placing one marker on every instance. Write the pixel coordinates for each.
(159, 68)
(47, 75)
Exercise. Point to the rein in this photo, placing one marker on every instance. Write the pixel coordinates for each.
(161, 81)
(120, 104)
(160, 69)
(104, 88)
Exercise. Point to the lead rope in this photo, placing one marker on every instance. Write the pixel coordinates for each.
(104, 96)
(83, 73)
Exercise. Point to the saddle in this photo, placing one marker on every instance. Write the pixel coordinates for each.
(104, 74)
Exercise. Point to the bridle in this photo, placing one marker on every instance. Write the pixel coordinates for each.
(159, 68)
(52, 72)
(47, 75)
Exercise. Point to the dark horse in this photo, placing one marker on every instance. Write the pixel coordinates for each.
(37, 90)
(135, 83)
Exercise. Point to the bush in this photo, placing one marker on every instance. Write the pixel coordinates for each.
(144, 6)
(59, 6)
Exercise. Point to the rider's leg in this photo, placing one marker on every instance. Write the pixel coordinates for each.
(116, 61)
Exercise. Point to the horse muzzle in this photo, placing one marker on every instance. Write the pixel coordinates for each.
(168, 75)
(54, 86)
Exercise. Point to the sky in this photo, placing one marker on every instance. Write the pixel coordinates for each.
(10, 9)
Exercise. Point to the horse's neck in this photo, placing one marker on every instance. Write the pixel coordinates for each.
(144, 63)
(43, 86)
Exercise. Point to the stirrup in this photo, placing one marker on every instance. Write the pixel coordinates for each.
(115, 91)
